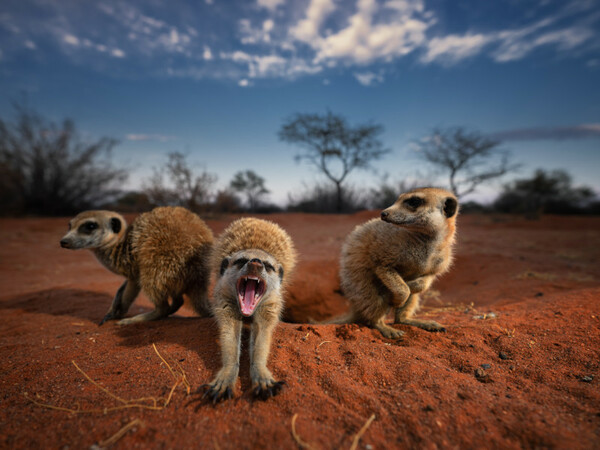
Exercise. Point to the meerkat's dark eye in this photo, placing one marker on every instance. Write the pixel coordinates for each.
(88, 227)
(239, 263)
(414, 202)
(269, 267)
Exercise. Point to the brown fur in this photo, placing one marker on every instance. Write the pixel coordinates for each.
(164, 252)
(249, 248)
(388, 263)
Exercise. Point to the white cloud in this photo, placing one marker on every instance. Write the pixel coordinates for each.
(271, 66)
(307, 30)
(117, 53)
(149, 137)
(252, 35)
(207, 53)
(269, 4)
(30, 44)
(364, 41)
(453, 48)
(369, 78)
(243, 83)
(71, 40)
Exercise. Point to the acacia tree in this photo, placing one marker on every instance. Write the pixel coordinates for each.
(183, 188)
(47, 168)
(251, 185)
(334, 147)
(469, 157)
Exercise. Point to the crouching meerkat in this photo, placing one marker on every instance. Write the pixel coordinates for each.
(388, 262)
(253, 260)
(164, 252)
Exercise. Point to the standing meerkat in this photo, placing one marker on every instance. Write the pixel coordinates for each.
(253, 260)
(164, 252)
(388, 263)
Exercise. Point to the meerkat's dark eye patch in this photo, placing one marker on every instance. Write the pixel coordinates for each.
(450, 207)
(224, 265)
(87, 227)
(239, 263)
(281, 274)
(269, 267)
(115, 224)
(414, 202)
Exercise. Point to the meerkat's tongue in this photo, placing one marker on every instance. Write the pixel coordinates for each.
(250, 292)
(248, 303)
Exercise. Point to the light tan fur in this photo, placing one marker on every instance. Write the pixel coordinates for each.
(388, 262)
(164, 252)
(249, 249)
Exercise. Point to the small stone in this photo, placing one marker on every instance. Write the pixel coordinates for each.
(428, 408)
(587, 379)
(502, 355)
(486, 366)
(482, 376)
(539, 294)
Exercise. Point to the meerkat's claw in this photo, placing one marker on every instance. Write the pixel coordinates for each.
(265, 392)
(107, 317)
(216, 394)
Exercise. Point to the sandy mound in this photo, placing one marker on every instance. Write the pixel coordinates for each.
(518, 367)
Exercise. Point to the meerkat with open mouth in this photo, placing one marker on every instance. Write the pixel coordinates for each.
(253, 259)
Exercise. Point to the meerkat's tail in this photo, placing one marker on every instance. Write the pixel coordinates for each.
(338, 320)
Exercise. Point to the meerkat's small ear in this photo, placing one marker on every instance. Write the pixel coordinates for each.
(224, 265)
(281, 274)
(115, 224)
(450, 206)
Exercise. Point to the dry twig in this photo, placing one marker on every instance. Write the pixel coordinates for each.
(361, 432)
(119, 434)
(300, 442)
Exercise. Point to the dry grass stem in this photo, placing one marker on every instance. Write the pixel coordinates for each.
(361, 432)
(151, 403)
(505, 331)
(324, 342)
(119, 434)
(297, 438)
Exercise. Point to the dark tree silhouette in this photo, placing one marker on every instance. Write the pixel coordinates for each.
(470, 158)
(333, 146)
(551, 192)
(251, 185)
(183, 187)
(48, 169)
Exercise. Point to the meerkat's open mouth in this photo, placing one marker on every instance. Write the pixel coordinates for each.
(250, 291)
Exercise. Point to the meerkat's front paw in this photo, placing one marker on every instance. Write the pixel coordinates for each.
(221, 388)
(265, 388)
(389, 332)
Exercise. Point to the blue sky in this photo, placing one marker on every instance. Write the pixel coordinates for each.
(217, 78)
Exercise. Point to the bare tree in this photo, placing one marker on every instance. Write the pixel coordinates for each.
(183, 188)
(251, 185)
(470, 157)
(333, 146)
(49, 169)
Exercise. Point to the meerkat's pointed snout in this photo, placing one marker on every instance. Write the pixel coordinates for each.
(64, 243)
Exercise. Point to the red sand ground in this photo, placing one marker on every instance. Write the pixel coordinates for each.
(539, 278)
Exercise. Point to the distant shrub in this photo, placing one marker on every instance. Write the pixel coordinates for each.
(322, 198)
(545, 192)
(48, 169)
